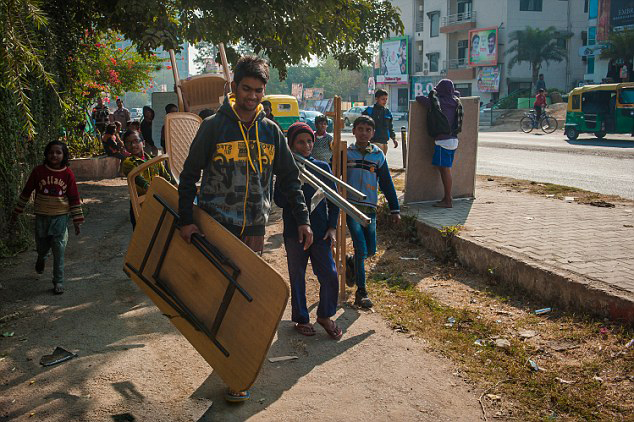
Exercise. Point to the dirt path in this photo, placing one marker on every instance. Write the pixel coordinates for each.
(134, 365)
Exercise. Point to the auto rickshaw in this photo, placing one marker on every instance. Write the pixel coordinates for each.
(285, 109)
(600, 109)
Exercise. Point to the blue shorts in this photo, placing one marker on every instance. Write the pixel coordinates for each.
(443, 157)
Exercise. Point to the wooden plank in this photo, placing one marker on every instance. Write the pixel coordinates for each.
(248, 328)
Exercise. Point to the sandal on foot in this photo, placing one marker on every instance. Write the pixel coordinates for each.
(332, 329)
(58, 289)
(239, 397)
(305, 329)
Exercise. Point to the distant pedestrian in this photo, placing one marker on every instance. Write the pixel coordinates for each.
(56, 196)
(121, 114)
(146, 130)
(170, 108)
(101, 115)
(322, 149)
(540, 84)
(268, 112)
(112, 144)
(382, 116)
(444, 123)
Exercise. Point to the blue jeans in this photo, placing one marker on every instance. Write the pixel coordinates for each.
(320, 255)
(51, 233)
(364, 241)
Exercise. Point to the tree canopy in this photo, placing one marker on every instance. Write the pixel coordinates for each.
(619, 46)
(285, 31)
(536, 47)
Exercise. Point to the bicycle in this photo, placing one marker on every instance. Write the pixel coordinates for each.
(546, 122)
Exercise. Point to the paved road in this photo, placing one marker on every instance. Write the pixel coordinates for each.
(605, 166)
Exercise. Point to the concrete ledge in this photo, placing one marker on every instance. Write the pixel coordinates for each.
(95, 168)
(556, 286)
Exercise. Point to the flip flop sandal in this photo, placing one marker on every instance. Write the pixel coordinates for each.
(58, 289)
(333, 330)
(238, 397)
(305, 329)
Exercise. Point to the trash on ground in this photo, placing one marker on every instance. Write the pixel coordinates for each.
(550, 196)
(8, 334)
(409, 258)
(563, 381)
(450, 322)
(629, 344)
(604, 331)
(494, 397)
(534, 365)
(602, 204)
(490, 179)
(480, 342)
(502, 343)
(282, 358)
(597, 378)
(527, 334)
(59, 355)
(529, 218)
(472, 300)
(412, 273)
(542, 311)
(569, 198)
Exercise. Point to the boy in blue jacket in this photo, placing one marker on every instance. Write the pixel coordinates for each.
(323, 221)
(367, 168)
(382, 116)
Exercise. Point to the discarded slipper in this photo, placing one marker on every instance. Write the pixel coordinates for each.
(332, 329)
(238, 397)
(305, 329)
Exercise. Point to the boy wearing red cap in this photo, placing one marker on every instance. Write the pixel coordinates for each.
(323, 221)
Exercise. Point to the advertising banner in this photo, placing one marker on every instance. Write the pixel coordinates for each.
(394, 61)
(421, 85)
(614, 15)
(313, 94)
(488, 78)
(483, 47)
(371, 85)
(297, 91)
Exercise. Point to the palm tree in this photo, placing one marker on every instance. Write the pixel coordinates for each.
(536, 46)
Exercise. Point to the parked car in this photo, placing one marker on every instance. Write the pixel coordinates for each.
(308, 117)
(350, 115)
(136, 113)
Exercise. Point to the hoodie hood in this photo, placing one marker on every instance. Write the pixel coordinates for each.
(445, 88)
(447, 96)
(146, 108)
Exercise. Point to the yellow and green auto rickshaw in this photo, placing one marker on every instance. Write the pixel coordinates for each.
(285, 109)
(600, 109)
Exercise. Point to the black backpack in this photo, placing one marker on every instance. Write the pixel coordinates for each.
(437, 123)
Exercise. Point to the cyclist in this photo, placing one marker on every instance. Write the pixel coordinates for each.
(540, 104)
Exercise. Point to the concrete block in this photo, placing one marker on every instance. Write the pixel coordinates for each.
(95, 168)
(422, 180)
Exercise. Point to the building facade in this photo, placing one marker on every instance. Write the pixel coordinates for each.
(442, 33)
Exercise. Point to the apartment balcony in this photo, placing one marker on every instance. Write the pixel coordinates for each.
(458, 22)
(458, 69)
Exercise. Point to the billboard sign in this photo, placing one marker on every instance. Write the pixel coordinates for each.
(313, 94)
(614, 15)
(421, 85)
(483, 47)
(394, 63)
(488, 78)
(297, 90)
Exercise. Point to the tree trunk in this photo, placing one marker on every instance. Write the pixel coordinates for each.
(536, 68)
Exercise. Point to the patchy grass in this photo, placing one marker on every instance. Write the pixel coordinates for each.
(586, 372)
(557, 191)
